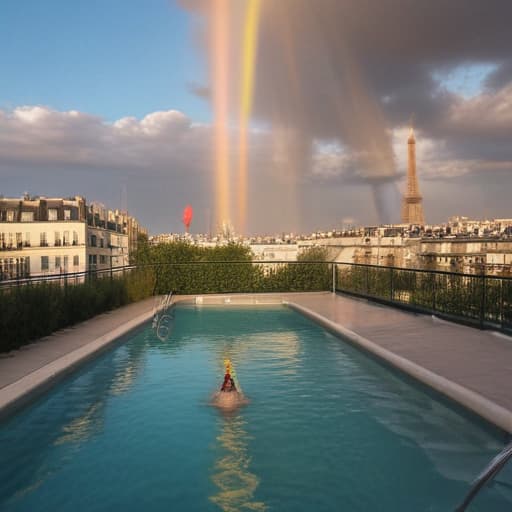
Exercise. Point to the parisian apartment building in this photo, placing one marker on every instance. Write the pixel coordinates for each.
(44, 236)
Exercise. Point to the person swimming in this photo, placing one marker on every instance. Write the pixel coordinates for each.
(229, 397)
(228, 384)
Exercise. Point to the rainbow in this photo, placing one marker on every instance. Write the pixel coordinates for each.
(249, 50)
(220, 107)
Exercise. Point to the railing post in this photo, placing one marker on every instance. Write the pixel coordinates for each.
(367, 280)
(434, 288)
(333, 277)
(501, 303)
(483, 301)
(391, 291)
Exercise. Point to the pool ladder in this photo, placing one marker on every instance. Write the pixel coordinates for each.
(490, 471)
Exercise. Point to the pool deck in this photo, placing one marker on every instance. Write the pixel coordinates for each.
(471, 366)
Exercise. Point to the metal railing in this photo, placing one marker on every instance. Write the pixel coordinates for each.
(66, 277)
(480, 300)
(477, 299)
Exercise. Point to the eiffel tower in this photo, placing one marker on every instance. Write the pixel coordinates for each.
(412, 206)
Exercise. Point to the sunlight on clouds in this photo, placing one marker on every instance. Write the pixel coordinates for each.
(166, 140)
(485, 112)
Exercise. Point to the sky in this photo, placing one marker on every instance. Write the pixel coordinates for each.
(112, 100)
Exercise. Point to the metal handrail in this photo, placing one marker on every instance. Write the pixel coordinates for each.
(490, 471)
(254, 262)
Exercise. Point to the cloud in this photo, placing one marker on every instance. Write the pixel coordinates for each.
(349, 74)
(356, 71)
(158, 142)
(488, 114)
(166, 161)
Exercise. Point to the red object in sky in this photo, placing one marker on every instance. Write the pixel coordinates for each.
(188, 212)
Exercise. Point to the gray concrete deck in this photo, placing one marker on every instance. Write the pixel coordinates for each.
(471, 366)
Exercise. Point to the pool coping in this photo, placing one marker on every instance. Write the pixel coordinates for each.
(483, 407)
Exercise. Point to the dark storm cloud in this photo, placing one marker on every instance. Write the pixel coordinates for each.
(331, 68)
(397, 47)
(350, 75)
(501, 76)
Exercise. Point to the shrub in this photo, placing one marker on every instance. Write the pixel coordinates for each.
(32, 311)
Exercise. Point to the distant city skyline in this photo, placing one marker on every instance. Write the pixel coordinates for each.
(115, 97)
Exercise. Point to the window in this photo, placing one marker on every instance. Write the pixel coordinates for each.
(66, 237)
(44, 263)
(10, 243)
(42, 240)
(76, 260)
(27, 240)
(67, 214)
(75, 238)
(57, 262)
(103, 259)
(93, 240)
(52, 213)
(10, 215)
(27, 216)
(19, 243)
(58, 241)
(66, 263)
(102, 242)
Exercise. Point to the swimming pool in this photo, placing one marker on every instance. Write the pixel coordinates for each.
(328, 428)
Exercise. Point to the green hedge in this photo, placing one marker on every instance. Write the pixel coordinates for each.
(32, 311)
(188, 269)
(241, 277)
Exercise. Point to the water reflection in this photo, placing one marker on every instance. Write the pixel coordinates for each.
(452, 443)
(127, 365)
(232, 475)
(82, 427)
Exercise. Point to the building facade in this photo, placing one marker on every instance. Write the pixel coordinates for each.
(44, 236)
(471, 255)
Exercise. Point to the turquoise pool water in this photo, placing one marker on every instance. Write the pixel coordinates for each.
(328, 428)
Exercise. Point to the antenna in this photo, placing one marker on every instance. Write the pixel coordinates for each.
(411, 120)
